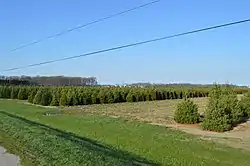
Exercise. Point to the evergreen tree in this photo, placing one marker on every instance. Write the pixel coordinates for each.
(46, 97)
(14, 92)
(55, 97)
(32, 95)
(63, 98)
(38, 96)
(22, 94)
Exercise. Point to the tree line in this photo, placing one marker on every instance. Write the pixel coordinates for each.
(48, 80)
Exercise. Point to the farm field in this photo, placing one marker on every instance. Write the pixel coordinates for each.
(161, 113)
(108, 135)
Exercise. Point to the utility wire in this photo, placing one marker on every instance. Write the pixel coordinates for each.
(85, 25)
(131, 45)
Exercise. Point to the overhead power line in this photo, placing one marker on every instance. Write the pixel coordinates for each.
(131, 45)
(85, 25)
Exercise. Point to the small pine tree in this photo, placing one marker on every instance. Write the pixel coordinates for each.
(89, 97)
(94, 98)
(63, 99)
(22, 94)
(175, 95)
(38, 96)
(110, 97)
(14, 92)
(55, 97)
(72, 98)
(181, 95)
(148, 95)
(142, 95)
(102, 96)
(153, 94)
(46, 97)
(6, 92)
(167, 95)
(171, 95)
(223, 110)
(245, 104)
(163, 93)
(131, 97)
(82, 97)
(124, 93)
(158, 95)
(117, 96)
(1, 91)
(32, 95)
(186, 112)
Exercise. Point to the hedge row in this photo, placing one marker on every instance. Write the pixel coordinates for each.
(69, 96)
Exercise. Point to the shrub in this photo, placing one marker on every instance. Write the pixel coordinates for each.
(186, 112)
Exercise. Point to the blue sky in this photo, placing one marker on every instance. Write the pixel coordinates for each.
(214, 56)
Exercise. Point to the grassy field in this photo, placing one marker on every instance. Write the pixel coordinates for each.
(79, 138)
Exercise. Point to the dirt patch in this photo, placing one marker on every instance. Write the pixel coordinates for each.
(239, 137)
(26, 102)
(152, 112)
(7, 159)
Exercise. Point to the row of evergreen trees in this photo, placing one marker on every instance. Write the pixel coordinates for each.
(70, 96)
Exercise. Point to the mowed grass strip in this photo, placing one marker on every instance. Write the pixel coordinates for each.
(137, 143)
(49, 146)
(14, 147)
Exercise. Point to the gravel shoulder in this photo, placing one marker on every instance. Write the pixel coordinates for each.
(7, 159)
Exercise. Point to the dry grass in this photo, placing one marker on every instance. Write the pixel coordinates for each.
(153, 111)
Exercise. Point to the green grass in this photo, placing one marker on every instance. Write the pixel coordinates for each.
(16, 147)
(99, 140)
(54, 147)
